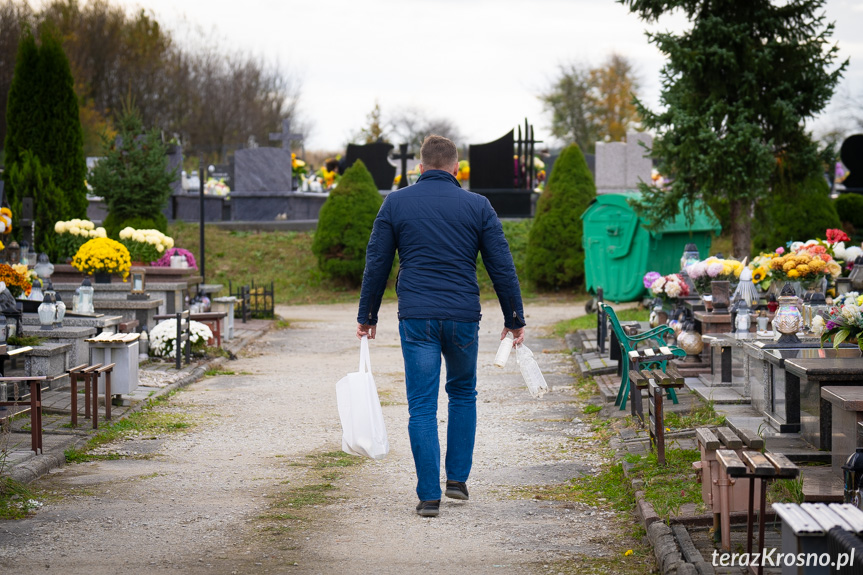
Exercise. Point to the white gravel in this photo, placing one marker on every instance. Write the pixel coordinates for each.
(193, 504)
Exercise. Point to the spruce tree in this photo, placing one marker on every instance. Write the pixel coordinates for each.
(737, 88)
(555, 256)
(345, 224)
(42, 117)
(133, 175)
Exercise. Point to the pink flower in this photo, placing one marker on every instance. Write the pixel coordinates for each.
(780, 250)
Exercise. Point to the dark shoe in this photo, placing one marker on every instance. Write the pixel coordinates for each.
(457, 490)
(428, 508)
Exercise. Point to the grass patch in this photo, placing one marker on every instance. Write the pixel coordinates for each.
(702, 414)
(671, 486)
(285, 258)
(217, 371)
(306, 495)
(786, 491)
(147, 421)
(17, 501)
(282, 324)
(589, 409)
(334, 459)
(561, 328)
(25, 340)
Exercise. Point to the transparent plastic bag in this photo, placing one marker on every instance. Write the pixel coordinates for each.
(503, 351)
(363, 429)
(530, 371)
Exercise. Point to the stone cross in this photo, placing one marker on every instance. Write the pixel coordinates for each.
(285, 136)
(404, 157)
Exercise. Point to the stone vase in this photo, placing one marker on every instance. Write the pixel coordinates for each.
(721, 292)
(101, 278)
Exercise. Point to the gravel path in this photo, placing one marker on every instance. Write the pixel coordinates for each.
(225, 495)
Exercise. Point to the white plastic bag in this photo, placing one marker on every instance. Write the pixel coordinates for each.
(530, 371)
(363, 428)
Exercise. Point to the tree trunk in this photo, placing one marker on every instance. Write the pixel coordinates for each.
(741, 231)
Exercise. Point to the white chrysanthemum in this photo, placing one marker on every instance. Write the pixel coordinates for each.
(160, 248)
(75, 230)
(87, 225)
(818, 325)
(101, 233)
(75, 223)
(673, 289)
(169, 242)
(139, 237)
(126, 233)
(839, 251)
(853, 253)
(60, 227)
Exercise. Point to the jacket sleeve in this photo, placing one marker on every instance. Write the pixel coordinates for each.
(501, 269)
(379, 261)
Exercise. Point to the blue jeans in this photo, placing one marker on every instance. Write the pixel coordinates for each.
(423, 342)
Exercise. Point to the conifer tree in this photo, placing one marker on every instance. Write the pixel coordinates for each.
(42, 117)
(555, 256)
(737, 88)
(29, 177)
(345, 224)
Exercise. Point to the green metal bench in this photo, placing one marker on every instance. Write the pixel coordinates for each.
(654, 338)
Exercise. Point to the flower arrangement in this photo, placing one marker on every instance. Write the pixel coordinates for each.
(669, 287)
(163, 337)
(844, 321)
(809, 262)
(762, 275)
(16, 283)
(649, 278)
(298, 166)
(73, 234)
(704, 273)
(103, 255)
(145, 245)
(28, 273)
(463, 171)
(5, 220)
(215, 187)
(165, 260)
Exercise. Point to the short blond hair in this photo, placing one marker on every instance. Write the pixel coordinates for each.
(438, 153)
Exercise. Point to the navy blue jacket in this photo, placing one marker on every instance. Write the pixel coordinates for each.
(438, 229)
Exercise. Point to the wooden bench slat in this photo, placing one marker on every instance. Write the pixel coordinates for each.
(729, 460)
(728, 438)
(784, 466)
(707, 439)
(660, 377)
(637, 378)
(105, 368)
(648, 352)
(675, 374)
(759, 465)
(750, 439)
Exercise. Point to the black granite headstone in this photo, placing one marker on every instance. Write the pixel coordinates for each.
(404, 156)
(175, 167)
(376, 159)
(224, 173)
(851, 154)
(492, 166)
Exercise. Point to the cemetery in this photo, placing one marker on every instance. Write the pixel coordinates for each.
(695, 276)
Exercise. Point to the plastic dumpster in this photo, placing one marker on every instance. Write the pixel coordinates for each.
(619, 249)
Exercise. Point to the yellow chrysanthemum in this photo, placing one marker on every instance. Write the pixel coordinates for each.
(789, 265)
(792, 273)
(802, 269)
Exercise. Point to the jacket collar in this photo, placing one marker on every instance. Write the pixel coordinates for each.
(438, 175)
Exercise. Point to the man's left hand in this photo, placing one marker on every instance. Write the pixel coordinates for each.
(366, 330)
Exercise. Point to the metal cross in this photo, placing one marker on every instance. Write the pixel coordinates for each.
(404, 157)
(285, 136)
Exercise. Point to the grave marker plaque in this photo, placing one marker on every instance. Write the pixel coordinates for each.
(491, 165)
(376, 159)
(404, 156)
(851, 155)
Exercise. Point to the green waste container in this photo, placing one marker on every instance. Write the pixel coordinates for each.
(619, 250)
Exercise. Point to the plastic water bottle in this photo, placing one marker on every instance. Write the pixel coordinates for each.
(503, 351)
(530, 371)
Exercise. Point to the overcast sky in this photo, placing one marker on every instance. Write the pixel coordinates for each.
(479, 63)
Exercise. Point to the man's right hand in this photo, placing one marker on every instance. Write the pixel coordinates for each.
(365, 330)
(517, 335)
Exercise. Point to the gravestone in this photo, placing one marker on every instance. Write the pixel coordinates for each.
(404, 156)
(224, 173)
(491, 164)
(175, 167)
(263, 170)
(621, 166)
(851, 155)
(285, 136)
(27, 232)
(376, 159)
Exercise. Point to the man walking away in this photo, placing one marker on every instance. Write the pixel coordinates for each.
(438, 229)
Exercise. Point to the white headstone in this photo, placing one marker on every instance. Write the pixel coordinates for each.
(621, 166)
(639, 165)
(610, 166)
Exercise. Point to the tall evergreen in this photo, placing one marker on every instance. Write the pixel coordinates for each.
(737, 87)
(555, 256)
(42, 117)
(28, 177)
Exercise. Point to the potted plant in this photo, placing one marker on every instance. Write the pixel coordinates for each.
(145, 246)
(102, 257)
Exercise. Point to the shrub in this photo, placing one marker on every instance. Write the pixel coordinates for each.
(29, 177)
(133, 176)
(850, 210)
(795, 211)
(345, 224)
(555, 257)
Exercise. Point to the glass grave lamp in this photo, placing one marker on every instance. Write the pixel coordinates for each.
(818, 306)
(689, 340)
(47, 312)
(742, 321)
(82, 301)
(690, 256)
(788, 320)
(43, 268)
(58, 301)
(13, 252)
(658, 316)
(139, 284)
(23, 253)
(843, 286)
(856, 276)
